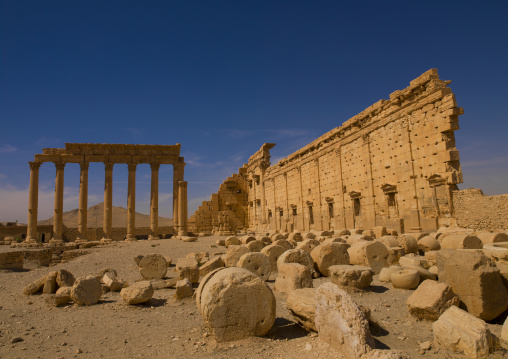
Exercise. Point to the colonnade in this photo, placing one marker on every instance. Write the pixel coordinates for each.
(179, 200)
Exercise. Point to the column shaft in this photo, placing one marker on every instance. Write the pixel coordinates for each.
(182, 210)
(178, 170)
(108, 200)
(154, 202)
(33, 201)
(131, 202)
(58, 211)
(83, 202)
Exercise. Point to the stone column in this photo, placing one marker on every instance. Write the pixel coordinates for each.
(57, 215)
(182, 208)
(83, 202)
(108, 201)
(154, 202)
(131, 203)
(178, 169)
(33, 200)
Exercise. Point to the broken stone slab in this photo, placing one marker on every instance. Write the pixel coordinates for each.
(380, 231)
(326, 255)
(297, 256)
(476, 280)
(62, 296)
(232, 241)
(424, 273)
(233, 255)
(460, 331)
(409, 243)
(341, 323)
(35, 286)
(112, 282)
(153, 266)
(430, 300)
(187, 268)
(405, 279)
(461, 241)
(86, 291)
(489, 238)
(188, 239)
(64, 278)
(50, 285)
(255, 246)
(351, 276)
(139, 292)
(183, 289)
(308, 245)
(428, 243)
(257, 263)
(498, 251)
(283, 243)
(386, 273)
(209, 266)
(164, 283)
(302, 305)
(273, 252)
(249, 303)
(293, 276)
(353, 238)
(394, 255)
(372, 254)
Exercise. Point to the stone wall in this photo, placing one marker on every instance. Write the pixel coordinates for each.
(476, 211)
(117, 233)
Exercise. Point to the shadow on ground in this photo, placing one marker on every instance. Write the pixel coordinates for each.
(286, 329)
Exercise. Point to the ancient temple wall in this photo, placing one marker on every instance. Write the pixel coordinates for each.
(479, 212)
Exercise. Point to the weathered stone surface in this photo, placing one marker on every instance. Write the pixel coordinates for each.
(341, 323)
(233, 255)
(308, 245)
(459, 331)
(64, 278)
(235, 304)
(257, 263)
(424, 273)
(273, 252)
(353, 238)
(187, 268)
(35, 286)
(266, 240)
(183, 289)
(295, 236)
(326, 255)
(405, 279)
(476, 280)
(341, 232)
(112, 281)
(409, 243)
(351, 276)
(379, 231)
(283, 243)
(389, 241)
(50, 285)
(233, 241)
(164, 283)
(209, 266)
(373, 254)
(428, 243)
(138, 258)
(63, 296)
(139, 292)
(86, 290)
(293, 276)
(246, 239)
(188, 239)
(386, 273)
(153, 266)
(297, 256)
(431, 299)
(394, 255)
(255, 246)
(488, 237)
(461, 241)
(200, 257)
(504, 331)
(302, 305)
(386, 354)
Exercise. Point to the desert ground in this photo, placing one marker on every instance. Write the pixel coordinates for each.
(169, 328)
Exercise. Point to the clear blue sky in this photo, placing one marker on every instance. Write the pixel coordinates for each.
(224, 77)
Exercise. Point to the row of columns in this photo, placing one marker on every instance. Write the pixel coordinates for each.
(179, 201)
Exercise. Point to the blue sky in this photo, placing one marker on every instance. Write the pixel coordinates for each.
(224, 77)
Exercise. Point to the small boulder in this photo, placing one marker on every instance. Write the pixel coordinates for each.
(273, 252)
(233, 255)
(187, 268)
(257, 263)
(297, 256)
(183, 289)
(351, 276)
(302, 305)
(430, 300)
(373, 254)
(153, 266)
(293, 276)
(209, 266)
(326, 255)
(255, 246)
(405, 279)
(86, 291)
(64, 278)
(232, 241)
(50, 285)
(139, 292)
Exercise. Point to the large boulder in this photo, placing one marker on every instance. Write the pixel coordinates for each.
(235, 304)
(86, 290)
(153, 266)
(187, 268)
(341, 323)
(64, 278)
(297, 256)
(327, 255)
(302, 304)
(373, 254)
(257, 263)
(351, 276)
(139, 292)
(475, 279)
(430, 300)
(35, 286)
(293, 276)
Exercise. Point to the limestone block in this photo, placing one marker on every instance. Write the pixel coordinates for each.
(235, 304)
(200, 257)
(341, 323)
(386, 273)
(341, 232)
(255, 246)
(108, 270)
(430, 259)
(488, 237)
(35, 286)
(459, 331)
(273, 252)
(302, 305)
(373, 254)
(50, 285)
(370, 233)
(409, 243)
(430, 300)
(326, 255)
(498, 252)
(504, 331)
(394, 255)
(379, 231)
(257, 263)
(86, 290)
(351, 276)
(434, 270)
(308, 235)
(164, 283)
(389, 241)
(112, 281)
(266, 240)
(424, 273)
(188, 268)
(209, 266)
(334, 239)
(189, 239)
(247, 239)
(295, 236)
(352, 239)
(220, 242)
(276, 237)
(308, 245)
(64, 278)
(283, 243)
(139, 292)
(183, 289)
(476, 280)
(405, 279)
(232, 241)
(233, 255)
(297, 256)
(412, 260)
(419, 235)
(63, 296)
(386, 354)
(293, 276)
(153, 266)
(461, 241)
(428, 243)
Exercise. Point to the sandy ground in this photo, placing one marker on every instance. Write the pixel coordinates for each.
(166, 328)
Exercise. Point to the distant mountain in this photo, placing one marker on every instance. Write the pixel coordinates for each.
(96, 216)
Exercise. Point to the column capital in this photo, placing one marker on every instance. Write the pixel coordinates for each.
(179, 165)
(131, 166)
(84, 165)
(34, 165)
(60, 165)
(154, 165)
(182, 183)
(108, 166)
